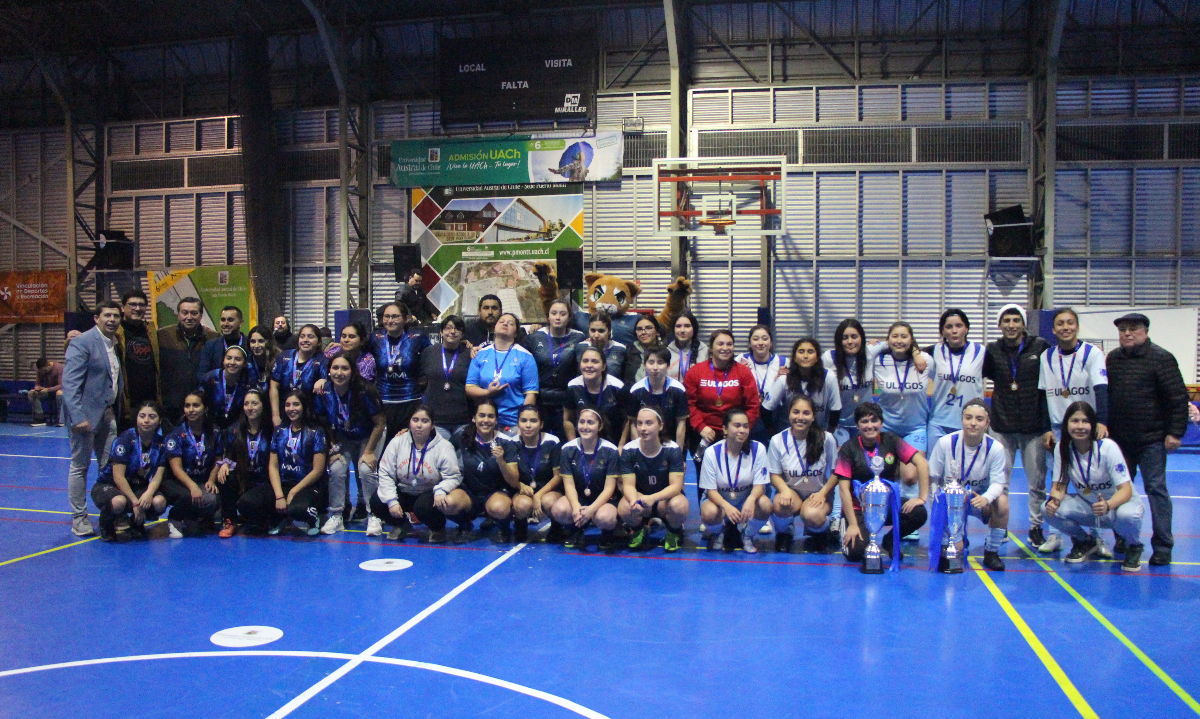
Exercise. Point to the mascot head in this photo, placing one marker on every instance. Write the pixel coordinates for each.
(608, 294)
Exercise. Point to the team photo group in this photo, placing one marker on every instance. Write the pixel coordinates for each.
(567, 430)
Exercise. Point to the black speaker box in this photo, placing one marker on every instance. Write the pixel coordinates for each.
(406, 259)
(1010, 234)
(570, 269)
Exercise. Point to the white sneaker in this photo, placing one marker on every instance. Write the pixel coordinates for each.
(374, 526)
(766, 529)
(82, 527)
(716, 542)
(748, 545)
(333, 525)
(173, 531)
(1053, 543)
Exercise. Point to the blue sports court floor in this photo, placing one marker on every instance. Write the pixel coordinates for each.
(477, 629)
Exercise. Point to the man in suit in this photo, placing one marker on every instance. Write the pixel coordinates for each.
(91, 398)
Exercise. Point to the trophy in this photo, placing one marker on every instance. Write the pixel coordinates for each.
(956, 498)
(874, 500)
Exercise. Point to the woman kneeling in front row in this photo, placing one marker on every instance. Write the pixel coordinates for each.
(652, 482)
(733, 477)
(1104, 496)
(419, 472)
(130, 482)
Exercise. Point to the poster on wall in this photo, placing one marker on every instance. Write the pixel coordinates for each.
(32, 296)
(525, 158)
(485, 240)
(216, 285)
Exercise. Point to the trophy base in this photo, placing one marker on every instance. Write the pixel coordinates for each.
(872, 565)
(951, 565)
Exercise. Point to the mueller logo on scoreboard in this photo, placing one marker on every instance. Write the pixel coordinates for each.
(571, 105)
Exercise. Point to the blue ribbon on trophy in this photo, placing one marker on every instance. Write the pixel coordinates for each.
(939, 517)
(894, 502)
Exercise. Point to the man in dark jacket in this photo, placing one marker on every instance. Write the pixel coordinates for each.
(1152, 419)
(412, 294)
(1019, 413)
(179, 348)
(140, 361)
(213, 355)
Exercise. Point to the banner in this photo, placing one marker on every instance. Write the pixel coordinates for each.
(33, 296)
(215, 285)
(485, 240)
(527, 158)
(518, 78)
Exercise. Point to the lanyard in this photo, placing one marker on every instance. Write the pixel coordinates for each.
(868, 455)
(556, 348)
(142, 458)
(293, 443)
(500, 367)
(762, 386)
(949, 355)
(1085, 474)
(197, 446)
(395, 351)
(799, 454)
(252, 447)
(851, 368)
(732, 482)
(586, 466)
(342, 410)
(896, 369)
(299, 370)
(964, 468)
(720, 385)
(447, 369)
(1015, 359)
(224, 397)
(533, 458)
(1066, 378)
(415, 463)
(685, 357)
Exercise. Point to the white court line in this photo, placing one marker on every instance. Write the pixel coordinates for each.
(440, 668)
(395, 634)
(37, 456)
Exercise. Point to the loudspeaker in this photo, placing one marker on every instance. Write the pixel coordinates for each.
(406, 259)
(1010, 234)
(114, 251)
(570, 269)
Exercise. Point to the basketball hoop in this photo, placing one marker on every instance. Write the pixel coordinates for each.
(718, 224)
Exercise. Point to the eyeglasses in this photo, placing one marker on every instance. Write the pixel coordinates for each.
(392, 317)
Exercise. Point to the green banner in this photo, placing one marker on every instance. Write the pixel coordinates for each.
(523, 159)
(215, 285)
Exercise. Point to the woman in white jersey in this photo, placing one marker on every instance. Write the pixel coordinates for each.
(807, 376)
(733, 476)
(902, 387)
(767, 367)
(852, 360)
(1071, 371)
(980, 465)
(1102, 493)
(956, 366)
(800, 460)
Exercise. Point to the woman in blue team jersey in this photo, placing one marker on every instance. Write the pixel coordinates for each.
(296, 369)
(241, 476)
(191, 451)
(224, 388)
(538, 457)
(596, 388)
(299, 451)
(129, 484)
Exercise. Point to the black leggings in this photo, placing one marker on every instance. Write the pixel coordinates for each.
(182, 506)
(421, 504)
(909, 523)
(397, 415)
(257, 506)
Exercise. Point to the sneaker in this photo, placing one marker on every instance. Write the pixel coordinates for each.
(1036, 537)
(815, 543)
(574, 540)
(556, 535)
(833, 541)
(279, 526)
(37, 423)
(732, 539)
(783, 542)
(1133, 558)
(81, 527)
(436, 536)
(766, 529)
(671, 542)
(1052, 544)
(228, 529)
(374, 526)
(1119, 546)
(398, 532)
(137, 530)
(521, 531)
(174, 533)
(333, 525)
(1081, 549)
(992, 561)
(608, 541)
(108, 533)
(313, 529)
(638, 538)
(504, 535)
(748, 545)
(1160, 558)
(914, 536)
(716, 542)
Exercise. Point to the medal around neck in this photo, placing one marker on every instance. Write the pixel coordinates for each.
(874, 500)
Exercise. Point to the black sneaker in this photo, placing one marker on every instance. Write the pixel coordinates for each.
(815, 543)
(1081, 549)
(1160, 558)
(783, 542)
(108, 531)
(833, 541)
(574, 540)
(557, 534)
(732, 538)
(608, 541)
(1036, 537)
(521, 530)
(1119, 546)
(504, 533)
(992, 561)
(1133, 558)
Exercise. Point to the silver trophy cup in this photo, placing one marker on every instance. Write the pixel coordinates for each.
(874, 499)
(956, 498)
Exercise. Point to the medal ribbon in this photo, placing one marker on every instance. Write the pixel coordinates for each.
(1014, 360)
(446, 370)
(414, 462)
(731, 481)
(720, 385)
(1066, 378)
(799, 454)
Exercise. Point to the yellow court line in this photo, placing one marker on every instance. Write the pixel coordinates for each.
(1056, 671)
(48, 551)
(1093, 559)
(44, 511)
(1137, 652)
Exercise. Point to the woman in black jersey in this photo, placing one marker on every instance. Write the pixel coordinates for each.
(489, 468)
(596, 388)
(537, 463)
(246, 496)
(652, 482)
(443, 371)
(554, 348)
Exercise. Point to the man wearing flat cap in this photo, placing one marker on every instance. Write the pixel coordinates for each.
(1152, 419)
